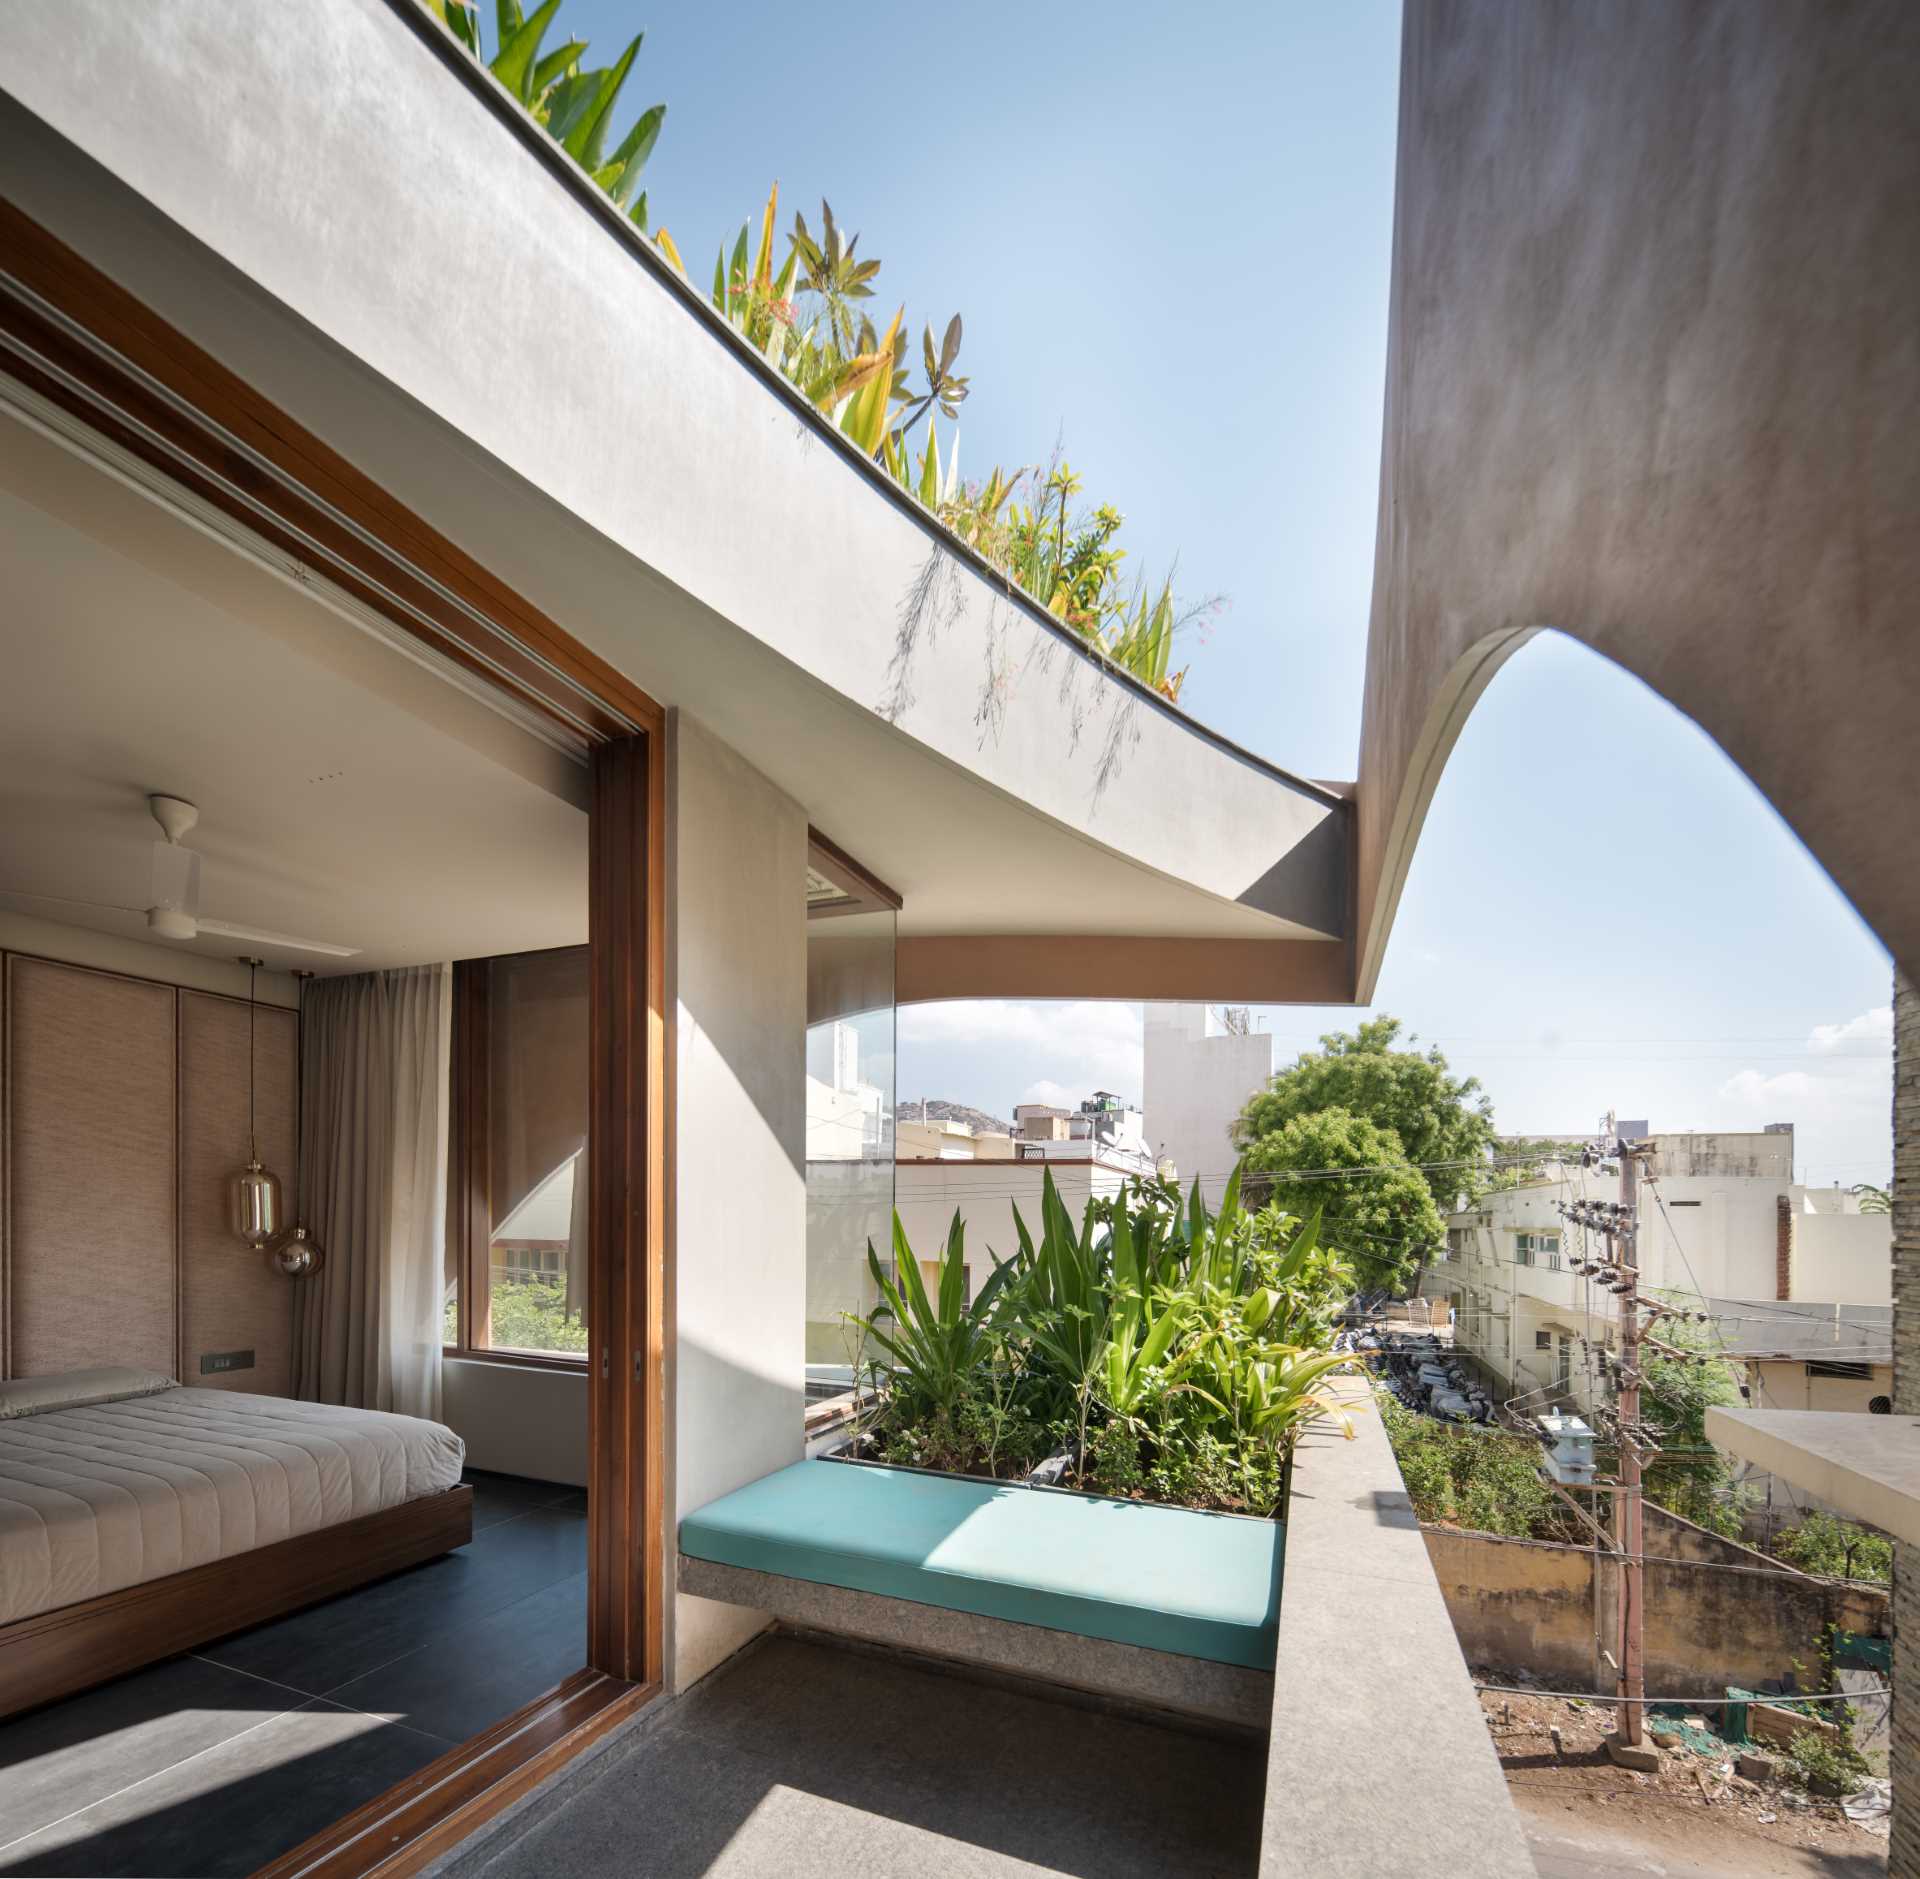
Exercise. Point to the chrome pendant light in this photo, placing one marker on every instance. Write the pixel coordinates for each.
(296, 1252)
(256, 1189)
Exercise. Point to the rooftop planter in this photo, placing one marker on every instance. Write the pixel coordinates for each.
(1162, 1359)
(1154, 1351)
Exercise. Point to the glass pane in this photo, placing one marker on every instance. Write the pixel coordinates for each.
(537, 1153)
(850, 1146)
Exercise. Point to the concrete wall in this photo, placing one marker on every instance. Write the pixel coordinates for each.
(1530, 1605)
(1789, 1384)
(986, 1193)
(1650, 381)
(1193, 1086)
(1843, 1259)
(713, 538)
(737, 989)
(519, 1420)
(1378, 1763)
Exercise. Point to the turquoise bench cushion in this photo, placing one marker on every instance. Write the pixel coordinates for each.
(1200, 1585)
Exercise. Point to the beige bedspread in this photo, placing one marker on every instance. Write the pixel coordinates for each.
(95, 1499)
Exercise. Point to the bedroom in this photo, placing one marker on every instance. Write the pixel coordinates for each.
(283, 1518)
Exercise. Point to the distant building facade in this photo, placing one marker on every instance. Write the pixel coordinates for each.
(1200, 1063)
(1721, 1220)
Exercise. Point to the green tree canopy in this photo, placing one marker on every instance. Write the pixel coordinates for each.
(1437, 1116)
(1381, 1220)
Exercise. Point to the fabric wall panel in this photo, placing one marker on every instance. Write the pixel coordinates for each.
(91, 1170)
(233, 1298)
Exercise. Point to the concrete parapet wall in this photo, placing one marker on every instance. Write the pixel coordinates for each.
(1531, 1605)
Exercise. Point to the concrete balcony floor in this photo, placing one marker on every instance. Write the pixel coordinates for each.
(801, 1759)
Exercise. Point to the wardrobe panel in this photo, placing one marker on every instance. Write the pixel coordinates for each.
(92, 1148)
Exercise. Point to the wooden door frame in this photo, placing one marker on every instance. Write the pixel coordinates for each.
(101, 357)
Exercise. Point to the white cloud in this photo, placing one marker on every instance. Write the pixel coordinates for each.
(1839, 1105)
(983, 1051)
(1871, 1027)
(1053, 1095)
(1021, 1021)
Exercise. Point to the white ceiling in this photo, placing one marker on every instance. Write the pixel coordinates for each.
(347, 793)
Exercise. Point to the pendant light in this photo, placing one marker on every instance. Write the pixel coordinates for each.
(296, 1252)
(256, 1190)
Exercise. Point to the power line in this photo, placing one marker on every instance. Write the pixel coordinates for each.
(1682, 1702)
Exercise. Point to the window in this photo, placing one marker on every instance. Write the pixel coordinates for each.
(1534, 1248)
(517, 1157)
(851, 1107)
(1543, 1340)
(1852, 1373)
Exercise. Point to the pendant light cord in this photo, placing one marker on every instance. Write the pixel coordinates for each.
(253, 1139)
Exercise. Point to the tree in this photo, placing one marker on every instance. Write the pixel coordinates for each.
(1438, 1117)
(1690, 1477)
(1873, 1200)
(1376, 1209)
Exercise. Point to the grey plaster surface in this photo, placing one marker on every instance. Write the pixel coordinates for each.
(1379, 1762)
(799, 1759)
(1651, 376)
(1228, 1693)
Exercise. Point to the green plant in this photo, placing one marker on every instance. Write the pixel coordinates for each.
(1826, 1764)
(1377, 1209)
(1689, 1476)
(1474, 1478)
(941, 1343)
(1873, 1200)
(575, 106)
(1172, 1350)
(1443, 1123)
(803, 314)
(1836, 1549)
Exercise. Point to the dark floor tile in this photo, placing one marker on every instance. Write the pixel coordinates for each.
(234, 1807)
(71, 1754)
(498, 1497)
(319, 1649)
(465, 1682)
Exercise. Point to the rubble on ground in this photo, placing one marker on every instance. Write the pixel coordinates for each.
(1554, 1752)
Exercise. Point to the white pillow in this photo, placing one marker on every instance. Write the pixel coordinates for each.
(76, 1389)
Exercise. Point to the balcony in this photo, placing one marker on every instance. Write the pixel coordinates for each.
(816, 1753)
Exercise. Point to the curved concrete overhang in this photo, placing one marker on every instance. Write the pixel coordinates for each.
(1652, 372)
(381, 244)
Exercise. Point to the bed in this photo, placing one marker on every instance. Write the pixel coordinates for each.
(139, 1519)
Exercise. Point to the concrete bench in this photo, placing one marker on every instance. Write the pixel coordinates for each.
(1160, 1605)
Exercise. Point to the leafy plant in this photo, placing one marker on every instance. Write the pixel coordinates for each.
(1873, 1200)
(1826, 1764)
(576, 106)
(1174, 1351)
(1474, 1478)
(1690, 1477)
(1836, 1549)
(804, 313)
(941, 1343)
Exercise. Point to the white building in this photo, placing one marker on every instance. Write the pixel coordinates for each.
(1721, 1218)
(1201, 1063)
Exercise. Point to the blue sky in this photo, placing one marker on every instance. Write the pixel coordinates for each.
(1171, 251)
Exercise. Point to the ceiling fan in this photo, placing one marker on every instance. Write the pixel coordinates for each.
(174, 912)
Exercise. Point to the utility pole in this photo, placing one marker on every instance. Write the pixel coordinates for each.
(1627, 1503)
(1618, 1224)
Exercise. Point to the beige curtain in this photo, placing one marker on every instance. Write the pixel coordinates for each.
(373, 1164)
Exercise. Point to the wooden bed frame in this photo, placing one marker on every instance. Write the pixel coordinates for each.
(55, 1653)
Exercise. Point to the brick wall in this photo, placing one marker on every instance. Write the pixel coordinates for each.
(1903, 1860)
(1783, 1246)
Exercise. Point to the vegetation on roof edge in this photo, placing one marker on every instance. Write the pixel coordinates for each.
(799, 310)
